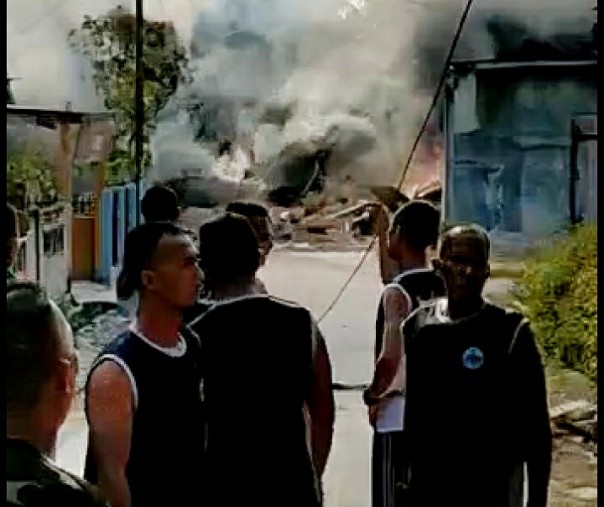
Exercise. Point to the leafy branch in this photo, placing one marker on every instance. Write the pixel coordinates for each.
(109, 44)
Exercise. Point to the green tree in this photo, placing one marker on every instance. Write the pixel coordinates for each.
(109, 44)
(29, 178)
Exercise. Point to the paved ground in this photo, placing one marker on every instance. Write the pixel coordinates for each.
(312, 279)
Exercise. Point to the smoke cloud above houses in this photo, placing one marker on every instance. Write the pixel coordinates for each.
(337, 70)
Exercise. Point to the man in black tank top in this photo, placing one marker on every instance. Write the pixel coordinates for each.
(143, 400)
(414, 229)
(476, 397)
(258, 217)
(265, 367)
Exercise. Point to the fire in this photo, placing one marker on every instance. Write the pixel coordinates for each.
(426, 169)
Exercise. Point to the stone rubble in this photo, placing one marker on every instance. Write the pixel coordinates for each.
(578, 421)
(91, 339)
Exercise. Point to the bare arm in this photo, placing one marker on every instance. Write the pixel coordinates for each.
(388, 267)
(396, 308)
(110, 415)
(321, 405)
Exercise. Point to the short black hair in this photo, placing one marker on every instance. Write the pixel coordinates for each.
(248, 209)
(228, 248)
(418, 222)
(160, 204)
(32, 344)
(473, 231)
(139, 248)
(12, 226)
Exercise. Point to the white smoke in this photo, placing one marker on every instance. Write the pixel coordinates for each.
(48, 72)
(345, 63)
(326, 58)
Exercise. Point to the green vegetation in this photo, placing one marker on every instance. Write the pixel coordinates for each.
(29, 178)
(557, 291)
(108, 43)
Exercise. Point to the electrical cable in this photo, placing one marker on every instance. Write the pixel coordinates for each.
(414, 146)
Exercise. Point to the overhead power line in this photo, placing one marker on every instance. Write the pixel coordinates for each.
(401, 180)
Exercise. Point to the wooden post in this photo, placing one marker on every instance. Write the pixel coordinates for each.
(140, 106)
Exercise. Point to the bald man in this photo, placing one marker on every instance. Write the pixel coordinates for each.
(41, 373)
(476, 410)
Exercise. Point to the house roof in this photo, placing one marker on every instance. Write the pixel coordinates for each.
(49, 118)
(492, 64)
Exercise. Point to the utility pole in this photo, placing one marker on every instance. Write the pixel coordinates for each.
(139, 106)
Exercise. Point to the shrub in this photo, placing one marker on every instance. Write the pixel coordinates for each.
(557, 291)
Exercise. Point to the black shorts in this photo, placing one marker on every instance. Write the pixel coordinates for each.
(389, 470)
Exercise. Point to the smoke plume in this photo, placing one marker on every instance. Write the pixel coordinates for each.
(356, 76)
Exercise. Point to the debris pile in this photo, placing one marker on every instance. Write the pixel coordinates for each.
(342, 213)
(578, 418)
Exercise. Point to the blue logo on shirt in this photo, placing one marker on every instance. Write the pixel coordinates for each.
(473, 358)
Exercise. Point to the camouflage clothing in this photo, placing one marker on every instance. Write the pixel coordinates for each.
(32, 480)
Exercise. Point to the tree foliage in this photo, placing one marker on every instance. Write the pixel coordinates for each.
(29, 178)
(109, 44)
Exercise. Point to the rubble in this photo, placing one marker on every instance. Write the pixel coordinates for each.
(102, 330)
(577, 418)
(573, 411)
(99, 331)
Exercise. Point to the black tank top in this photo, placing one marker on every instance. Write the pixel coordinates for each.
(257, 363)
(166, 453)
(421, 285)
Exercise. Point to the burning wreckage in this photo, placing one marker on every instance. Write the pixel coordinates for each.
(298, 180)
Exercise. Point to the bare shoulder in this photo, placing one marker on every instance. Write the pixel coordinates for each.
(392, 291)
(108, 374)
(108, 385)
(393, 296)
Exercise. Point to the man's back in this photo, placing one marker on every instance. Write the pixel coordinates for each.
(258, 359)
(32, 480)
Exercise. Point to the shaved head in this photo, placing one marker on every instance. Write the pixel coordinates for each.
(464, 262)
(37, 338)
(471, 233)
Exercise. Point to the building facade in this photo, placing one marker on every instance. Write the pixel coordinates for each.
(508, 139)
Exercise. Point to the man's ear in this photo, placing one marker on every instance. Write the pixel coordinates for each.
(436, 264)
(487, 272)
(147, 279)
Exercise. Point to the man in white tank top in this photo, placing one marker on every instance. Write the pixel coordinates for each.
(414, 228)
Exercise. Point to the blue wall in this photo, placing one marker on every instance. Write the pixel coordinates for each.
(118, 216)
(508, 148)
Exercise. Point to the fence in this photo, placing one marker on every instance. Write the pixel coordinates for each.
(44, 251)
(118, 216)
